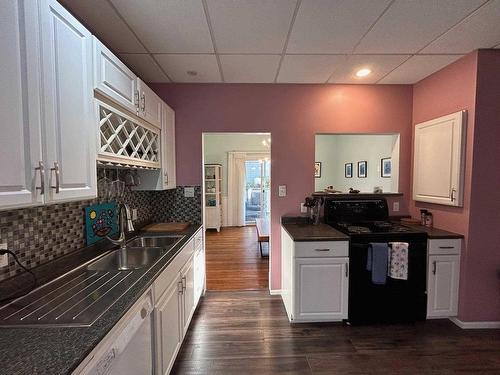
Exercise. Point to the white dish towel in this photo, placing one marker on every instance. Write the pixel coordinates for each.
(398, 260)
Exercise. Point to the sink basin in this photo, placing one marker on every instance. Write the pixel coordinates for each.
(155, 241)
(128, 259)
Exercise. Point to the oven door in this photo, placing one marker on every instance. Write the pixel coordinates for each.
(395, 302)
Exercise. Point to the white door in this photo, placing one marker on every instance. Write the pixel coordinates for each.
(70, 123)
(113, 78)
(442, 288)
(321, 287)
(149, 104)
(20, 143)
(438, 164)
(187, 275)
(168, 147)
(168, 320)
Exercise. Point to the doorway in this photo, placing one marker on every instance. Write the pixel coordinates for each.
(236, 185)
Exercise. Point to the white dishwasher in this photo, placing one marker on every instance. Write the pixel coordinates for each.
(129, 350)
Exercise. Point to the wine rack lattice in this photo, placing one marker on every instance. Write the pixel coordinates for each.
(119, 136)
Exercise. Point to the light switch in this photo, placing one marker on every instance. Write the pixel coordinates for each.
(189, 192)
(282, 191)
(303, 209)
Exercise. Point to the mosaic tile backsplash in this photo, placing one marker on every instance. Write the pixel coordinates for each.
(40, 234)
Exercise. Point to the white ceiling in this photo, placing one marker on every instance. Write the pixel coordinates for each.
(290, 41)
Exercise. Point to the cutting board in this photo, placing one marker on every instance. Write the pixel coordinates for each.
(165, 227)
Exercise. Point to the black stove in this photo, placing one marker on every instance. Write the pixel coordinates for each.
(366, 221)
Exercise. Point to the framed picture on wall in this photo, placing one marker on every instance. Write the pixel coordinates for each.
(348, 170)
(385, 167)
(362, 166)
(317, 169)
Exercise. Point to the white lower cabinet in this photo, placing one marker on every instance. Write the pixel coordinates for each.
(188, 306)
(168, 327)
(443, 278)
(315, 280)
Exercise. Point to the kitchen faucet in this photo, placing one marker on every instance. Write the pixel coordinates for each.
(124, 218)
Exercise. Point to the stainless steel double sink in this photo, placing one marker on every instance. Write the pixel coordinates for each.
(140, 252)
(81, 296)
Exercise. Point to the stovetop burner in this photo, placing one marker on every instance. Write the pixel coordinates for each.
(372, 227)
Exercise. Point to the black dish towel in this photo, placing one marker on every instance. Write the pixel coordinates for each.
(377, 262)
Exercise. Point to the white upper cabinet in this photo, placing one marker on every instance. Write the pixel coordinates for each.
(168, 147)
(149, 104)
(20, 147)
(113, 79)
(69, 119)
(438, 164)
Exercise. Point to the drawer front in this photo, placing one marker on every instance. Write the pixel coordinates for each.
(172, 271)
(445, 246)
(321, 249)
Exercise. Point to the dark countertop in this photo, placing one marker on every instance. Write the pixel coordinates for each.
(301, 230)
(436, 233)
(59, 350)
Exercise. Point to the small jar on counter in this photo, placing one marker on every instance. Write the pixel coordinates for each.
(428, 219)
(423, 214)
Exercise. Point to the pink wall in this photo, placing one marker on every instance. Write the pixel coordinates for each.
(293, 114)
(482, 291)
(471, 83)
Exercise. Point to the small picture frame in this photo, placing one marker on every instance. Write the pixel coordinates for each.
(348, 170)
(362, 169)
(317, 169)
(385, 167)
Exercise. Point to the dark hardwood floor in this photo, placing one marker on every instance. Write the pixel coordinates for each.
(233, 260)
(248, 333)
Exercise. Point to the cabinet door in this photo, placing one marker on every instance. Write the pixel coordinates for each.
(150, 104)
(20, 147)
(168, 326)
(168, 147)
(199, 274)
(442, 288)
(187, 276)
(321, 287)
(70, 122)
(113, 78)
(438, 163)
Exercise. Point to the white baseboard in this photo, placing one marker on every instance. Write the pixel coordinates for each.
(476, 325)
(275, 292)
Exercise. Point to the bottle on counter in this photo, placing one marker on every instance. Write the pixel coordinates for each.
(423, 213)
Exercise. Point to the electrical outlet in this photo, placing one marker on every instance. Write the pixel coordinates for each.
(4, 259)
(282, 191)
(189, 192)
(134, 214)
(303, 209)
(395, 206)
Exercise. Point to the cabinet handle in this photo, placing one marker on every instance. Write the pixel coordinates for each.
(58, 174)
(41, 168)
(136, 100)
(453, 191)
(179, 287)
(321, 249)
(446, 247)
(183, 282)
(166, 177)
(143, 103)
(434, 267)
(347, 270)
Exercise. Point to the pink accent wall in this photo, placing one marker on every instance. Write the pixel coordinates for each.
(471, 83)
(293, 114)
(482, 290)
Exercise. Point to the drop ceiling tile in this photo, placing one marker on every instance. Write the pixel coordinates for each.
(409, 25)
(308, 68)
(144, 66)
(417, 68)
(177, 66)
(332, 26)
(257, 26)
(480, 30)
(249, 68)
(173, 26)
(100, 17)
(380, 65)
